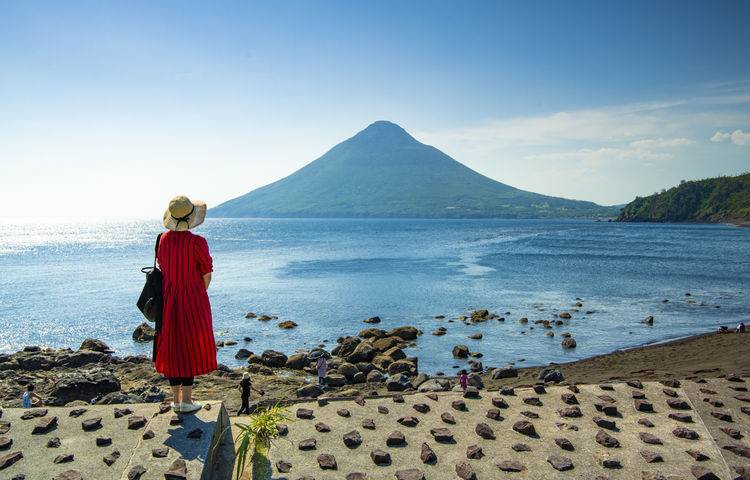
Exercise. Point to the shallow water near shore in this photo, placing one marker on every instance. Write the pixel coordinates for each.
(61, 282)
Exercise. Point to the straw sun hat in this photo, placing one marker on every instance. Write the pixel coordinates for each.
(182, 214)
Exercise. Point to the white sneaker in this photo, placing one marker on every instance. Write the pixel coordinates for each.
(176, 407)
(190, 407)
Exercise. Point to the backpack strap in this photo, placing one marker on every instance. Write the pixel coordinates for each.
(156, 247)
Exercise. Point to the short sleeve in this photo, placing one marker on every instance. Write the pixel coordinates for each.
(202, 256)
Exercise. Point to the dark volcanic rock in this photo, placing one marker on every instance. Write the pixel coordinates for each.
(646, 422)
(9, 459)
(352, 439)
(177, 471)
(474, 452)
(91, 424)
(136, 472)
(44, 425)
(408, 421)
(560, 463)
(464, 471)
(447, 418)
(494, 414)
(283, 466)
(484, 431)
(644, 406)
(569, 398)
(322, 427)
(326, 461)
(681, 417)
(459, 405)
(725, 417)
(570, 412)
(83, 385)
(53, 442)
(64, 458)
(395, 439)
(410, 474)
(738, 449)
(651, 457)
(307, 444)
(421, 407)
(678, 404)
(564, 443)
(442, 435)
(103, 441)
(427, 454)
(702, 473)
(305, 413)
(499, 402)
(160, 452)
(521, 447)
(379, 457)
(111, 458)
(137, 422)
(604, 423)
(697, 455)
(650, 439)
(368, 423)
(682, 432)
(511, 466)
(69, 475)
(607, 440)
(525, 427)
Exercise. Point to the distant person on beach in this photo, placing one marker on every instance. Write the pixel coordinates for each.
(463, 380)
(185, 343)
(245, 386)
(30, 399)
(322, 367)
(740, 328)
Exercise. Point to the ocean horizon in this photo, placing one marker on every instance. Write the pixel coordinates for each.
(64, 281)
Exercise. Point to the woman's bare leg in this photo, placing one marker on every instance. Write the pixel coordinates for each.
(187, 394)
(176, 394)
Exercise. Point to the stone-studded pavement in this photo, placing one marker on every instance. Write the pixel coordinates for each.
(616, 431)
(112, 442)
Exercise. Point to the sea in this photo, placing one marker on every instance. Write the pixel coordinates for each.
(64, 281)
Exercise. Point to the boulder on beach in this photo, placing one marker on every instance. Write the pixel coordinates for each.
(297, 361)
(95, 345)
(371, 332)
(372, 320)
(83, 385)
(273, 359)
(287, 324)
(460, 351)
(568, 342)
(404, 333)
(144, 333)
(504, 372)
(398, 383)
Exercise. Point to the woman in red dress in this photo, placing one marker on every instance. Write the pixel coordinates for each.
(185, 345)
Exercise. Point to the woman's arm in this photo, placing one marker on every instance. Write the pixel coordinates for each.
(207, 279)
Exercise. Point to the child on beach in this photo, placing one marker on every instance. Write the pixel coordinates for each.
(245, 386)
(322, 367)
(31, 399)
(740, 328)
(463, 380)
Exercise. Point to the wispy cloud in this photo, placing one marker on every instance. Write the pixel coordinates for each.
(661, 143)
(738, 137)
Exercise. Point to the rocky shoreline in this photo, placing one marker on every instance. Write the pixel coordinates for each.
(373, 362)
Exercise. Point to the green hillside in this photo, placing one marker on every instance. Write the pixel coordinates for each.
(384, 172)
(721, 199)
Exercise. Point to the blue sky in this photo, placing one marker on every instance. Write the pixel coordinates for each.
(142, 100)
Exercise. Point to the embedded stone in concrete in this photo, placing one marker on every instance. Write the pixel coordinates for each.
(352, 439)
(539, 389)
(669, 392)
(678, 404)
(69, 475)
(29, 414)
(530, 414)
(465, 471)
(560, 463)
(533, 401)
(499, 402)
(646, 422)
(644, 406)
(383, 409)
(45, 425)
(484, 431)
(635, 384)
(398, 398)
(408, 421)
(681, 417)
(604, 423)
(177, 471)
(564, 443)
(283, 466)
(148, 435)
(342, 412)
(326, 461)
(570, 412)
(459, 405)
(9, 459)
(702, 473)
(5, 443)
(494, 414)
(356, 476)
(307, 444)
(637, 395)
(521, 447)
(649, 438)
(111, 458)
(738, 449)
(64, 458)
(525, 427)
(511, 466)
(471, 392)
(103, 441)
(697, 455)
(686, 433)
(732, 432)
(123, 412)
(447, 418)
(368, 423)
(4, 427)
(322, 427)
(160, 452)
(283, 429)
(421, 407)
(607, 440)
(53, 442)
(305, 413)
(136, 472)
(410, 474)
(474, 452)
(724, 417)
(174, 420)
(77, 412)
(427, 455)
(442, 435)
(651, 457)
(379, 457)
(136, 422)
(91, 424)
(395, 439)
(569, 398)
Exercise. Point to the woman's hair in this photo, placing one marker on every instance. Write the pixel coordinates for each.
(30, 387)
(462, 372)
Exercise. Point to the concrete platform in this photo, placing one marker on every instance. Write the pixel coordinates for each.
(133, 431)
(672, 441)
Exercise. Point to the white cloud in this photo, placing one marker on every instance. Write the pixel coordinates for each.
(661, 142)
(738, 137)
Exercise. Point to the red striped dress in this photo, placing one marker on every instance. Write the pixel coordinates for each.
(186, 345)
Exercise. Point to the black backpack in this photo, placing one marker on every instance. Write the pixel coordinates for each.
(151, 300)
